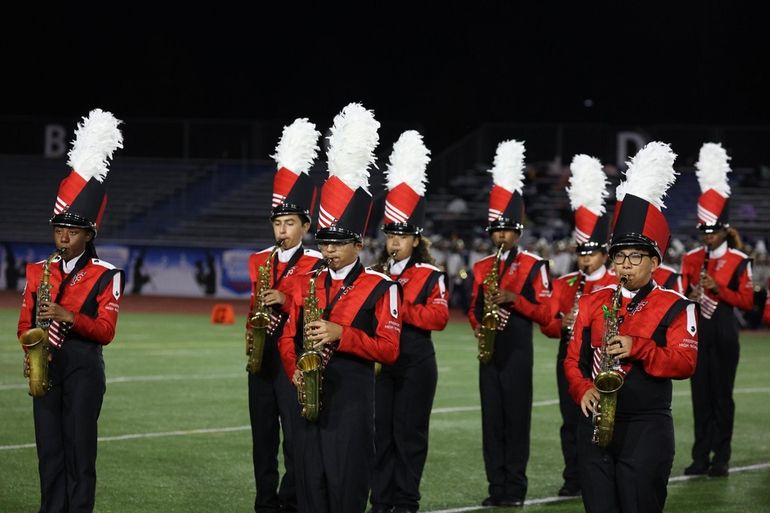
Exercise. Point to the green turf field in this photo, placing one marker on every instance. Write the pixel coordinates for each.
(178, 385)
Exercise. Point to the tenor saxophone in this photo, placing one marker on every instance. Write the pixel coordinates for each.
(35, 340)
(311, 360)
(259, 319)
(491, 317)
(609, 379)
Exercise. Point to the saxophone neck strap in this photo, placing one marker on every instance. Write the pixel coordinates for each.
(508, 261)
(347, 282)
(81, 263)
(291, 263)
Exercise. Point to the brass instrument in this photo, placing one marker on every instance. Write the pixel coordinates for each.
(385, 271)
(311, 360)
(609, 379)
(259, 319)
(35, 340)
(491, 317)
(578, 294)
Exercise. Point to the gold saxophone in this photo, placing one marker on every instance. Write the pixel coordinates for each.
(491, 317)
(578, 294)
(259, 319)
(609, 380)
(311, 360)
(35, 340)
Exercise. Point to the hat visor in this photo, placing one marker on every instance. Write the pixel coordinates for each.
(712, 228)
(72, 220)
(336, 234)
(590, 247)
(402, 229)
(290, 209)
(634, 240)
(505, 224)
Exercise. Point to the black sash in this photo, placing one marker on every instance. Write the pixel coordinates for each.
(347, 282)
(291, 263)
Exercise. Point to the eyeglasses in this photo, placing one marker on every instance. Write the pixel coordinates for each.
(634, 258)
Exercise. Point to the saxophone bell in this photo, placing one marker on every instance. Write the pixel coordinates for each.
(311, 362)
(259, 319)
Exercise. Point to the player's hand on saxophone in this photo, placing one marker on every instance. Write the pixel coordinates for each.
(322, 333)
(273, 297)
(620, 346)
(590, 402)
(504, 296)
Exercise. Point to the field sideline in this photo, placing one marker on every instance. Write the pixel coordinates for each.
(175, 438)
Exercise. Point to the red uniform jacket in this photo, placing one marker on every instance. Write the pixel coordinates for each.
(563, 298)
(766, 314)
(527, 276)
(93, 294)
(282, 275)
(664, 328)
(731, 271)
(668, 278)
(368, 312)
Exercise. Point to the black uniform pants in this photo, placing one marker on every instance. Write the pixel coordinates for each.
(403, 402)
(712, 387)
(631, 475)
(334, 456)
(506, 413)
(273, 408)
(66, 428)
(570, 416)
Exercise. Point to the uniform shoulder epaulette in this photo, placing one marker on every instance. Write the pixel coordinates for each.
(103, 263)
(671, 291)
(568, 275)
(693, 251)
(428, 266)
(611, 286)
(533, 255)
(266, 250)
(486, 258)
(369, 270)
(738, 252)
(667, 268)
(312, 253)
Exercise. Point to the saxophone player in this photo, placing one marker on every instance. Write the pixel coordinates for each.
(83, 306)
(587, 193)
(718, 276)
(522, 295)
(405, 390)
(272, 400)
(360, 324)
(657, 341)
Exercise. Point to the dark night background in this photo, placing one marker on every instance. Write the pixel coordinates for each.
(613, 62)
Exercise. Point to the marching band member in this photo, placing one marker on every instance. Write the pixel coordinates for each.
(82, 309)
(404, 391)
(522, 294)
(359, 324)
(719, 277)
(587, 192)
(272, 398)
(656, 341)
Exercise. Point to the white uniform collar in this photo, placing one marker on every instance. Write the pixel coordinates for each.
(628, 293)
(719, 252)
(69, 265)
(398, 267)
(504, 256)
(342, 273)
(284, 255)
(596, 275)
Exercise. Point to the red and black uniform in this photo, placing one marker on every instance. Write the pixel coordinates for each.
(505, 382)
(632, 472)
(719, 352)
(766, 313)
(66, 416)
(668, 278)
(334, 455)
(272, 397)
(404, 391)
(565, 289)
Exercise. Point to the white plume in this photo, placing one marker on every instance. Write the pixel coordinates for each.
(408, 161)
(351, 145)
(712, 168)
(298, 146)
(650, 173)
(508, 168)
(588, 184)
(96, 138)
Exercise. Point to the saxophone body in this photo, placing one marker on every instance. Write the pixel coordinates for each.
(35, 340)
(578, 294)
(259, 319)
(311, 362)
(609, 379)
(490, 319)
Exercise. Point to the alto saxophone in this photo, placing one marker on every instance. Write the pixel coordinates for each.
(609, 379)
(35, 340)
(259, 319)
(311, 360)
(491, 317)
(578, 294)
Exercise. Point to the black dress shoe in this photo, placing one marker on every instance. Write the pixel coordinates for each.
(696, 469)
(489, 501)
(569, 490)
(511, 503)
(719, 470)
(380, 509)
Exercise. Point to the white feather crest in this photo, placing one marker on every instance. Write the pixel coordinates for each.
(408, 161)
(650, 173)
(351, 145)
(508, 166)
(712, 168)
(298, 146)
(588, 184)
(96, 138)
